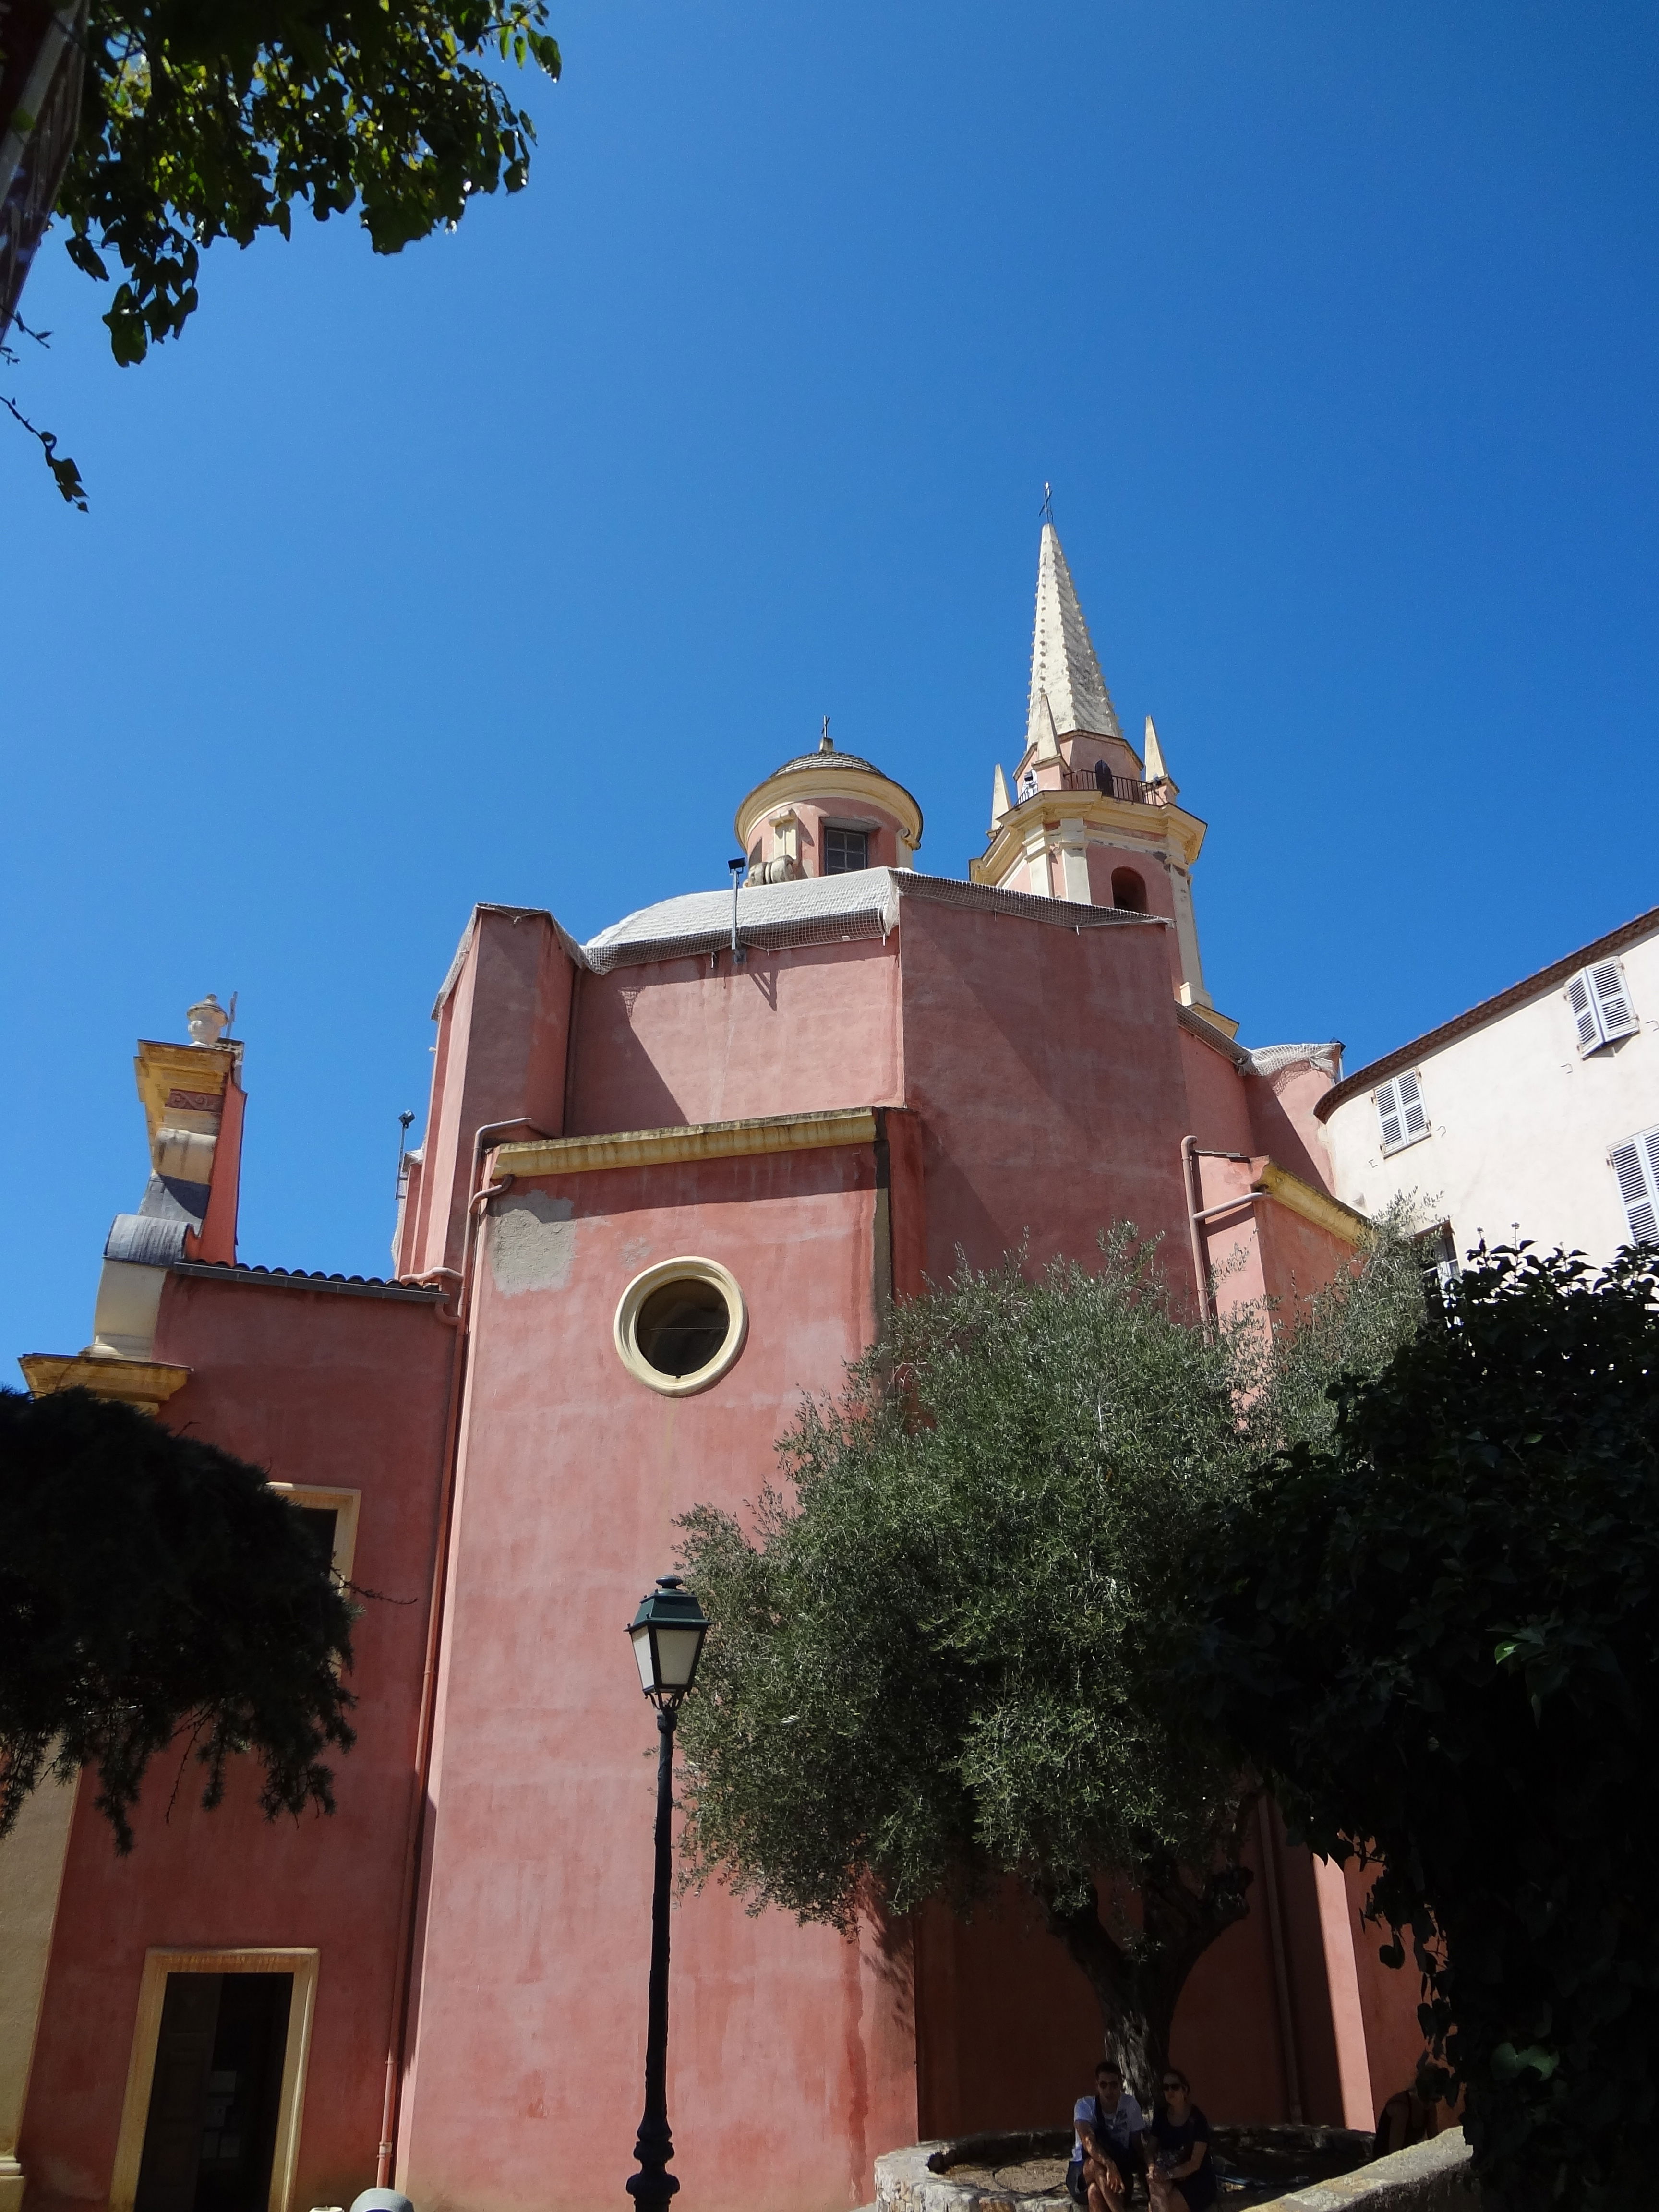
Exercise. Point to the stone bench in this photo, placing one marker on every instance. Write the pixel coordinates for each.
(1025, 2172)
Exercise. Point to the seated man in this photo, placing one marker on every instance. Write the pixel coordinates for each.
(1107, 2157)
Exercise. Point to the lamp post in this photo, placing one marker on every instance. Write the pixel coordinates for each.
(667, 1632)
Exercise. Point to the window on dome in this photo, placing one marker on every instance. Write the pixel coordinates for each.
(1128, 890)
(845, 850)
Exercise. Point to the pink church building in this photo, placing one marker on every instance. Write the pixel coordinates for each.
(671, 1180)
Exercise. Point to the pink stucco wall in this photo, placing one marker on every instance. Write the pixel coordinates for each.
(320, 1387)
(502, 1032)
(1218, 1104)
(793, 1031)
(1044, 1069)
(527, 2080)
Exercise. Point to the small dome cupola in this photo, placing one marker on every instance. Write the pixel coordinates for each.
(827, 813)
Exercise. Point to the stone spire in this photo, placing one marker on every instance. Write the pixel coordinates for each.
(1064, 672)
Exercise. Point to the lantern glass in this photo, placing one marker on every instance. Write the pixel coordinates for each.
(677, 1657)
(667, 1632)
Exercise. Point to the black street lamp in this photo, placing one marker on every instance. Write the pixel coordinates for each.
(668, 1632)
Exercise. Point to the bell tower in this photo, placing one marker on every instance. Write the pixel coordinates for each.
(1088, 817)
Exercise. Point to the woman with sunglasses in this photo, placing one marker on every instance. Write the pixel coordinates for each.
(1178, 2147)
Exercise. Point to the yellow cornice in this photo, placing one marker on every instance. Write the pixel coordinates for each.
(1144, 825)
(147, 1384)
(161, 1068)
(827, 787)
(1316, 1206)
(695, 1140)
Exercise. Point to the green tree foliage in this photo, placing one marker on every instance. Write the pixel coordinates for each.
(203, 119)
(154, 1588)
(937, 1658)
(1436, 1635)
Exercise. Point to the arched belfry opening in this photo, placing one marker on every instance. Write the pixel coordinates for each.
(1129, 891)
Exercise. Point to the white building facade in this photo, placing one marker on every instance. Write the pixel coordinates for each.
(1535, 1112)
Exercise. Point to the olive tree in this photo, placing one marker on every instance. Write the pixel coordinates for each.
(941, 1647)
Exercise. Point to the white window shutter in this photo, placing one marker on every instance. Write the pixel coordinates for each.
(1410, 1100)
(1612, 1000)
(1586, 1020)
(1636, 1166)
(1401, 1113)
(1389, 1115)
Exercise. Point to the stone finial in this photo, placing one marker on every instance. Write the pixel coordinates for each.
(826, 743)
(206, 1020)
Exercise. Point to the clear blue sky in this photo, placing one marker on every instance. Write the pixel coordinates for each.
(500, 570)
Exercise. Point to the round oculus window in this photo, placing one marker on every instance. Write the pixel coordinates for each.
(681, 1325)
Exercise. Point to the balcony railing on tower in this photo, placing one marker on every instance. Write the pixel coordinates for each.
(1099, 778)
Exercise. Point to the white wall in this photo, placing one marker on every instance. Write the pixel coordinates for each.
(1520, 1127)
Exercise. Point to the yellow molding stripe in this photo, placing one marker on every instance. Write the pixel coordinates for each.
(1147, 825)
(163, 1068)
(147, 1384)
(1316, 1206)
(695, 1140)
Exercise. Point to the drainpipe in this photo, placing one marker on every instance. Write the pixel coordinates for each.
(1190, 1183)
(1191, 1153)
(1264, 1820)
(459, 1320)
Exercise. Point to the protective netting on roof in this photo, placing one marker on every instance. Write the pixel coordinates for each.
(766, 937)
(1268, 1059)
(821, 910)
(818, 910)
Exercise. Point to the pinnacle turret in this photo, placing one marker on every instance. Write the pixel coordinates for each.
(1068, 692)
(999, 802)
(1155, 770)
